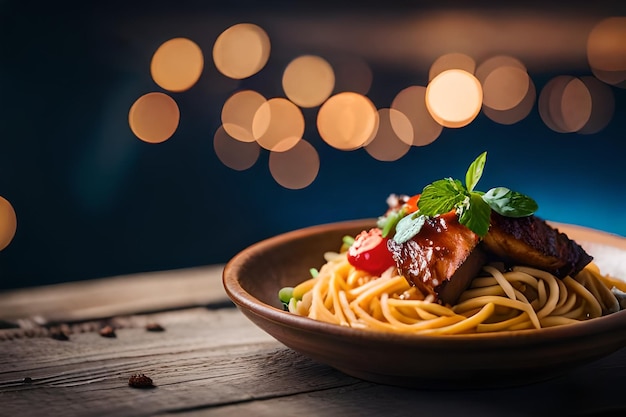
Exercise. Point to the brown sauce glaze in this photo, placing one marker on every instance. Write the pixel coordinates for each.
(432, 257)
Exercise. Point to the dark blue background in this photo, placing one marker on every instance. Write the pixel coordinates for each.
(92, 200)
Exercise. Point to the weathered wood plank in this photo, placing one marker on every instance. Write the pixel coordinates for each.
(203, 358)
(121, 295)
(216, 363)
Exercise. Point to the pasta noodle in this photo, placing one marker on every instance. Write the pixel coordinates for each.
(498, 300)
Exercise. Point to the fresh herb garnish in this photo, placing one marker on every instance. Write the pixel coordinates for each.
(408, 227)
(472, 207)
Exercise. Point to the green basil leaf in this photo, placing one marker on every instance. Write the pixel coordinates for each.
(510, 203)
(477, 216)
(475, 171)
(441, 196)
(408, 227)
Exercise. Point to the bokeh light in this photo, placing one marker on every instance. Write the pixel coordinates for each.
(241, 50)
(347, 120)
(565, 104)
(458, 89)
(411, 102)
(238, 113)
(575, 105)
(8, 223)
(517, 113)
(308, 80)
(606, 51)
(177, 64)
(154, 117)
(549, 102)
(454, 98)
(234, 153)
(602, 105)
(487, 66)
(295, 168)
(391, 142)
(509, 93)
(505, 88)
(453, 60)
(278, 125)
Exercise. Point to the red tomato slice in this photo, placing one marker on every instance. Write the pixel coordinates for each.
(369, 252)
(411, 205)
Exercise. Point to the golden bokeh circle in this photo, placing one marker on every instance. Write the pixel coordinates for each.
(278, 124)
(8, 223)
(606, 50)
(452, 60)
(154, 117)
(411, 102)
(347, 121)
(234, 153)
(241, 51)
(393, 137)
(295, 168)
(177, 64)
(308, 80)
(238, 113)
(454, 98)
(505, 87)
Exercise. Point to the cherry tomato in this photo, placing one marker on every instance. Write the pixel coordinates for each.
(411, 205)
(369, 252)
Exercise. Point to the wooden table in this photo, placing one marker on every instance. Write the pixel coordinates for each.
(210, 360)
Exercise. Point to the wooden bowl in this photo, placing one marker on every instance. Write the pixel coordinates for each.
(253, 278)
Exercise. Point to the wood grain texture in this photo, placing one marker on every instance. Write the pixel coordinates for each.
(204, 359)
(121, 295)
(214, 362)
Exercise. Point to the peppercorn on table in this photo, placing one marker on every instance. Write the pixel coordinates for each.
(171, 342)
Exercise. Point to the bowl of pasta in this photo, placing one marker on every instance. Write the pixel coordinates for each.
(351, 334)
(449, 288)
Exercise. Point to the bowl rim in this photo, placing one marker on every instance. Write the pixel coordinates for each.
(244, 300)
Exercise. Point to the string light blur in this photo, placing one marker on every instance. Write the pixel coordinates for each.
(336, 88)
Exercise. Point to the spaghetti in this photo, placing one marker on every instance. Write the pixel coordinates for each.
(497, 300)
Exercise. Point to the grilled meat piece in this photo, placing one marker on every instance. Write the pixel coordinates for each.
(533, 242)
(441, 260)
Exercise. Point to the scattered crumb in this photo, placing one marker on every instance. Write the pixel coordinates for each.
(59, 334)
(107, 331)
(140, 381)
(154, 327)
